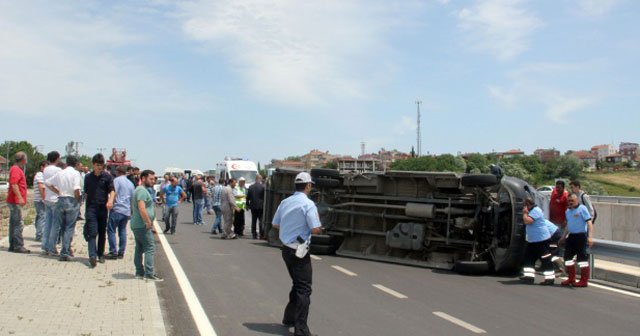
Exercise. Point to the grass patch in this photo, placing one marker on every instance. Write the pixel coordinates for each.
(618, 183)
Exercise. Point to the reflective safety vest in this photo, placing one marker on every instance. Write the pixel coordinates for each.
(240, 195)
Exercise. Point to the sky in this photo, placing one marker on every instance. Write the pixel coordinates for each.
(186, 83)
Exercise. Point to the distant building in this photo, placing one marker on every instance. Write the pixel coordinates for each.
(286, 164)
(349, 164)
(602, 151)
(546, 155)
(615, 158)
(629, 150)
(316, 159)
(588, 158)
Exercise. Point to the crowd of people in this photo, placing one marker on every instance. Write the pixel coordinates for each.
(570, 223)
(110, 203)
(226, 199)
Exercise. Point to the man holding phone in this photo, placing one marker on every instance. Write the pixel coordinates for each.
(297, 218)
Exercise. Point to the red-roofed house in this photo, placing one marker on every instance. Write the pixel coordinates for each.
(510, 154)
(587, 157)
(602, 151)
(546, 155)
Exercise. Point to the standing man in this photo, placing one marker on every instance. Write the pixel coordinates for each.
(578, 234)
(255, 202)
(166, 182)
(198, 200)
(228, 207)
(172, 195)
(297, 218)
(66, 184)
(50, 200)
(142, 226)
(583, 198)
(558, 204)
(16, 199)
(38, 200)
(99, 189)
(538, 236)
(120, 214)
(240, 195)
(216, 201)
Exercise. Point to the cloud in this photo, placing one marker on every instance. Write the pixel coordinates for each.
(295, 52)
(498, 27)
(405, 125)
(71, 63)
(535, 85)
(596, 7)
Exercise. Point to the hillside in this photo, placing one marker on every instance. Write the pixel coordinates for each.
(626, 183)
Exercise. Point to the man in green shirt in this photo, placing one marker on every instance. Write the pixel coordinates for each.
(142, 215)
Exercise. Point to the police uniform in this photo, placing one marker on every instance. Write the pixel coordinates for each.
(537, 248)
(240, 195)
(296, 216)
(576, 246)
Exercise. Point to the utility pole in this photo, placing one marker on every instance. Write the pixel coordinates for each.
(362, 147)
(419, 137)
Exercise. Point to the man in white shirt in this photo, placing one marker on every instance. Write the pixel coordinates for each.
(66, 184)
(38, 200)
(50, 199)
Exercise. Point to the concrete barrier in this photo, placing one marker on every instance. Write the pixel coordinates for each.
(618, 222)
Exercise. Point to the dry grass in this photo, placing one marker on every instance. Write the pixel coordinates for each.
(625, 183)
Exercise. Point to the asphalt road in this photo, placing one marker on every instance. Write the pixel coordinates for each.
(243, 287)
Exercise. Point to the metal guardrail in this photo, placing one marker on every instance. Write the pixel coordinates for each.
(615, 199)
(609, 248)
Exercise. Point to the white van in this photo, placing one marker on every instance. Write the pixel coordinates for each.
(236, 169)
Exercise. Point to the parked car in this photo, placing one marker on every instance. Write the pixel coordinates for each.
(545, 190)
(156, 187)
(4, 186)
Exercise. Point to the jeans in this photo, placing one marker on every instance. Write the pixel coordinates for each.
(171, 219)
(218, 220)
(49, 209)
(207, 203)
(40, 218)
(65, 217)
(117, 221)
(144, 245)
(198, 204)
(300, 271)
(95, 225)
(16, 225)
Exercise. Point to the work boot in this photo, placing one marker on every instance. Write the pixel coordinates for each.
(584, 277)
(571, 272)
(21, 250)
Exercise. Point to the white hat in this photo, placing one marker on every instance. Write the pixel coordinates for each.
(303, 178)
(241, 179)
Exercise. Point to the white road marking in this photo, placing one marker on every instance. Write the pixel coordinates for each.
(459, 322)
(315, 257)
(390, 291)
(344, 270)
(199, 316)
(619, 291)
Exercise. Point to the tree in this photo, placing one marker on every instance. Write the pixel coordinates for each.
(515, 169)
(331, 165)
(564, 166)
(33, 156)
(293, 158)
(477, 163)
(446, 162)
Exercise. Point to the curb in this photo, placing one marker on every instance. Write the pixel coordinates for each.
(629, 281)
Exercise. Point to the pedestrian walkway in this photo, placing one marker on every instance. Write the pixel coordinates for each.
(40, 295)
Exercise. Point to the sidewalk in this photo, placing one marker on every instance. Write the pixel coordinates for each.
(42, 296)
(622, 274)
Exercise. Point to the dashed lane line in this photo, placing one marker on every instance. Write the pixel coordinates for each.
(459, 322)
(390, 291)
(344, 270)
(199, 316)
(315, 257)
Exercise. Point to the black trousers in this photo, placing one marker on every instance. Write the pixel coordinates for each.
(535, 251)
(297, 310)
(576, 246)
(238, 222)
(96, 225)
(553, 243)
(256, 215)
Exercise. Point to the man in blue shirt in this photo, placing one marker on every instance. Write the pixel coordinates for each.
(537, 243)
(172, 195)
(578, 234)
(120, 214)
(297, 218)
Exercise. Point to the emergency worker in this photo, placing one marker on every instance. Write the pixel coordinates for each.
(578, 234)
(296, 219)
(240, 195)
(537, 243)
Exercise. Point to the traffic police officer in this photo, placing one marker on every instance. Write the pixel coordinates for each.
(578, 234)
(297, 218)
(537, 243)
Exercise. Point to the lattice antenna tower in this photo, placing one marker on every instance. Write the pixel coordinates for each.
(419, 136)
